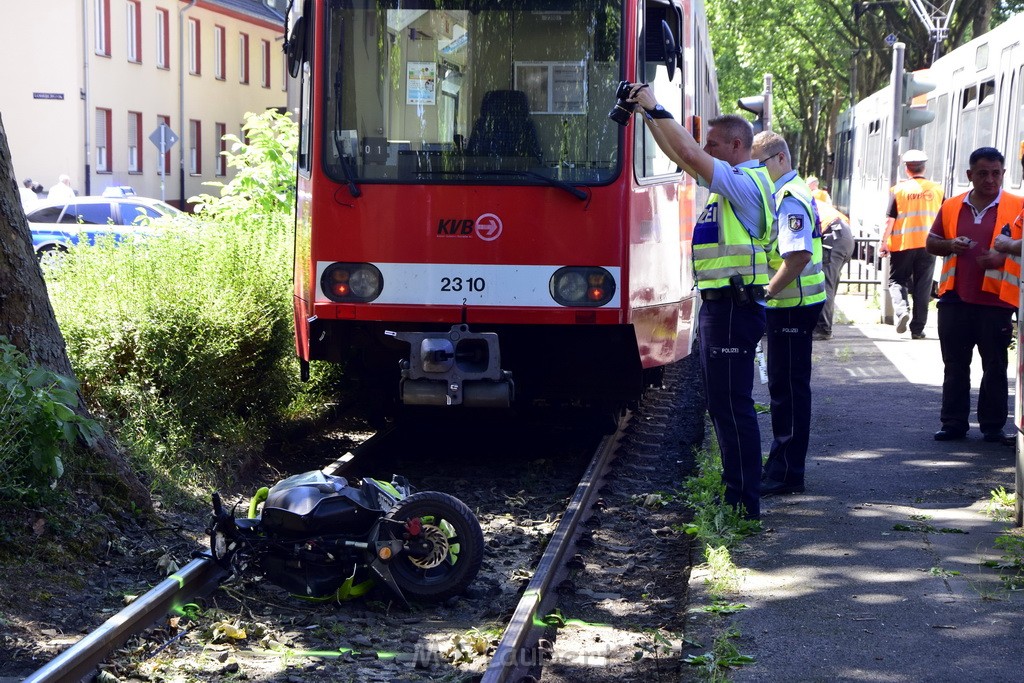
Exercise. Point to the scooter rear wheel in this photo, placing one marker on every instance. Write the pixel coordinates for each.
(456, 546)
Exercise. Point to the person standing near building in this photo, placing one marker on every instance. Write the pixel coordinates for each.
(61, 191)
(975, 306)
(795, 296)
(837, 248)
(731, 269)
(28, 195)
(912, 207)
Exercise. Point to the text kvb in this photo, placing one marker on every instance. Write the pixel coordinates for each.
(455, 226)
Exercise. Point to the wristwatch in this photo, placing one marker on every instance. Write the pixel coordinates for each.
(659, 112)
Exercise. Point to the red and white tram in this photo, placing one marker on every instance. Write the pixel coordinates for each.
(472, 228)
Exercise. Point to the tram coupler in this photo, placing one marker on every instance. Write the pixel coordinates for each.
(456, 367)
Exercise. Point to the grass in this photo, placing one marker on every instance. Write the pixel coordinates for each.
(1001, 506)
(724, 655)
(717, 527)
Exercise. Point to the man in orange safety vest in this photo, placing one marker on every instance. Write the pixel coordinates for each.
(978, 293)
(912, 208)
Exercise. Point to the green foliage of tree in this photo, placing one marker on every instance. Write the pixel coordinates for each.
(39, 424)
(264, 163)
(824, 54)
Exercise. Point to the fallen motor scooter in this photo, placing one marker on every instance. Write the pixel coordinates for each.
(318, 536)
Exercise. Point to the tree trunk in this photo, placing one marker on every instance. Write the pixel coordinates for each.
(27, 319)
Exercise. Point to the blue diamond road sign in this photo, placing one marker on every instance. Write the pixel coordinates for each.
(163, 137)
(890, 39)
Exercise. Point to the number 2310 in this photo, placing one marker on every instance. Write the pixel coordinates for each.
(458, 284)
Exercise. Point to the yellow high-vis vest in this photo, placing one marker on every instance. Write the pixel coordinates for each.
(722, 247)
(809, 287)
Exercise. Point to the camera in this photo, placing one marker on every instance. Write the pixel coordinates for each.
(622, 110)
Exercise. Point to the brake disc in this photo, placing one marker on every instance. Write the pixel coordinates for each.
(438, 548)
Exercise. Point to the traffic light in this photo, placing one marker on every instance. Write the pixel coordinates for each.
(914, 117)
(755, 105)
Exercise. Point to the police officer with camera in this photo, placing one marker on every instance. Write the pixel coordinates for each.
(731, 268)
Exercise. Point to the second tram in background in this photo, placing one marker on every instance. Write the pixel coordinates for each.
(472, 227)
(978, 101)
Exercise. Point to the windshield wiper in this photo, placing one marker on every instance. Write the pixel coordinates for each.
(343, 161)
(554, 182)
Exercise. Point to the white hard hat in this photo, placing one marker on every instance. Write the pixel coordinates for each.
(914, 156)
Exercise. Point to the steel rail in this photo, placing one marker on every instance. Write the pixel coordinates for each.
(83, 657)
(517, 652)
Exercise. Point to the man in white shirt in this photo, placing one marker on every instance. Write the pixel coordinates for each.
(62, 190)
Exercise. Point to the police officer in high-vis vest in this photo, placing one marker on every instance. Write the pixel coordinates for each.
(912, 208)
(795, 295)
(731, 269)
(979, 286)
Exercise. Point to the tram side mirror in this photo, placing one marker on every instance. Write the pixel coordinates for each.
(672, 53)
(295, 50)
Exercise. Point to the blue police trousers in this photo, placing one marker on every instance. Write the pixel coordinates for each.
(729, 334)
(789, 383)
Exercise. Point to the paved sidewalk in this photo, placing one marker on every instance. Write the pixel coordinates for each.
(836, 591)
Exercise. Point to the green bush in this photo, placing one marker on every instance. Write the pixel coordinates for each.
(180, 336)
(39, 424)
(183, 340)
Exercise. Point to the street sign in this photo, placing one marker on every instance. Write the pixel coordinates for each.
(163, 137)
(890, 39)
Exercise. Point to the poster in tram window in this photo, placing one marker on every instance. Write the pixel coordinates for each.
(420, 81)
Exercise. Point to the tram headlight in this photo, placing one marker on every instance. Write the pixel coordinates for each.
(351, 282)
(582, 286)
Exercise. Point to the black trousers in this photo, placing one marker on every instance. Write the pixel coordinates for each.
(911, 271)
(963, 326)
(729, 334)
(789, 383)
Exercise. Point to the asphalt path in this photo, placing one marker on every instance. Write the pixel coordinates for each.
(875, 572)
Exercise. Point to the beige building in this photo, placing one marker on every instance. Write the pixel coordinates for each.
(88, 82)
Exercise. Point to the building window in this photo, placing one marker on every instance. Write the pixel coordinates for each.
(103, 27)
(195, 134)
(134, 142)
(265, 51)
(194, 65)
(133, 13)
(103, 138)
(220, 130)
(166, 165)
(163, 42)
(243, 58)
(219, 53)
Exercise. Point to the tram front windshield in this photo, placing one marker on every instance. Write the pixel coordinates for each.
(504, 91)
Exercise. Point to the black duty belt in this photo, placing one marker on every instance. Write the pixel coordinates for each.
(755, 292)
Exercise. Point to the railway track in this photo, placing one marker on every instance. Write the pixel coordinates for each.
(517, 655)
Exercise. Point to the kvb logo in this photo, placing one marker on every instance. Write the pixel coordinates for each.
(488, 227)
